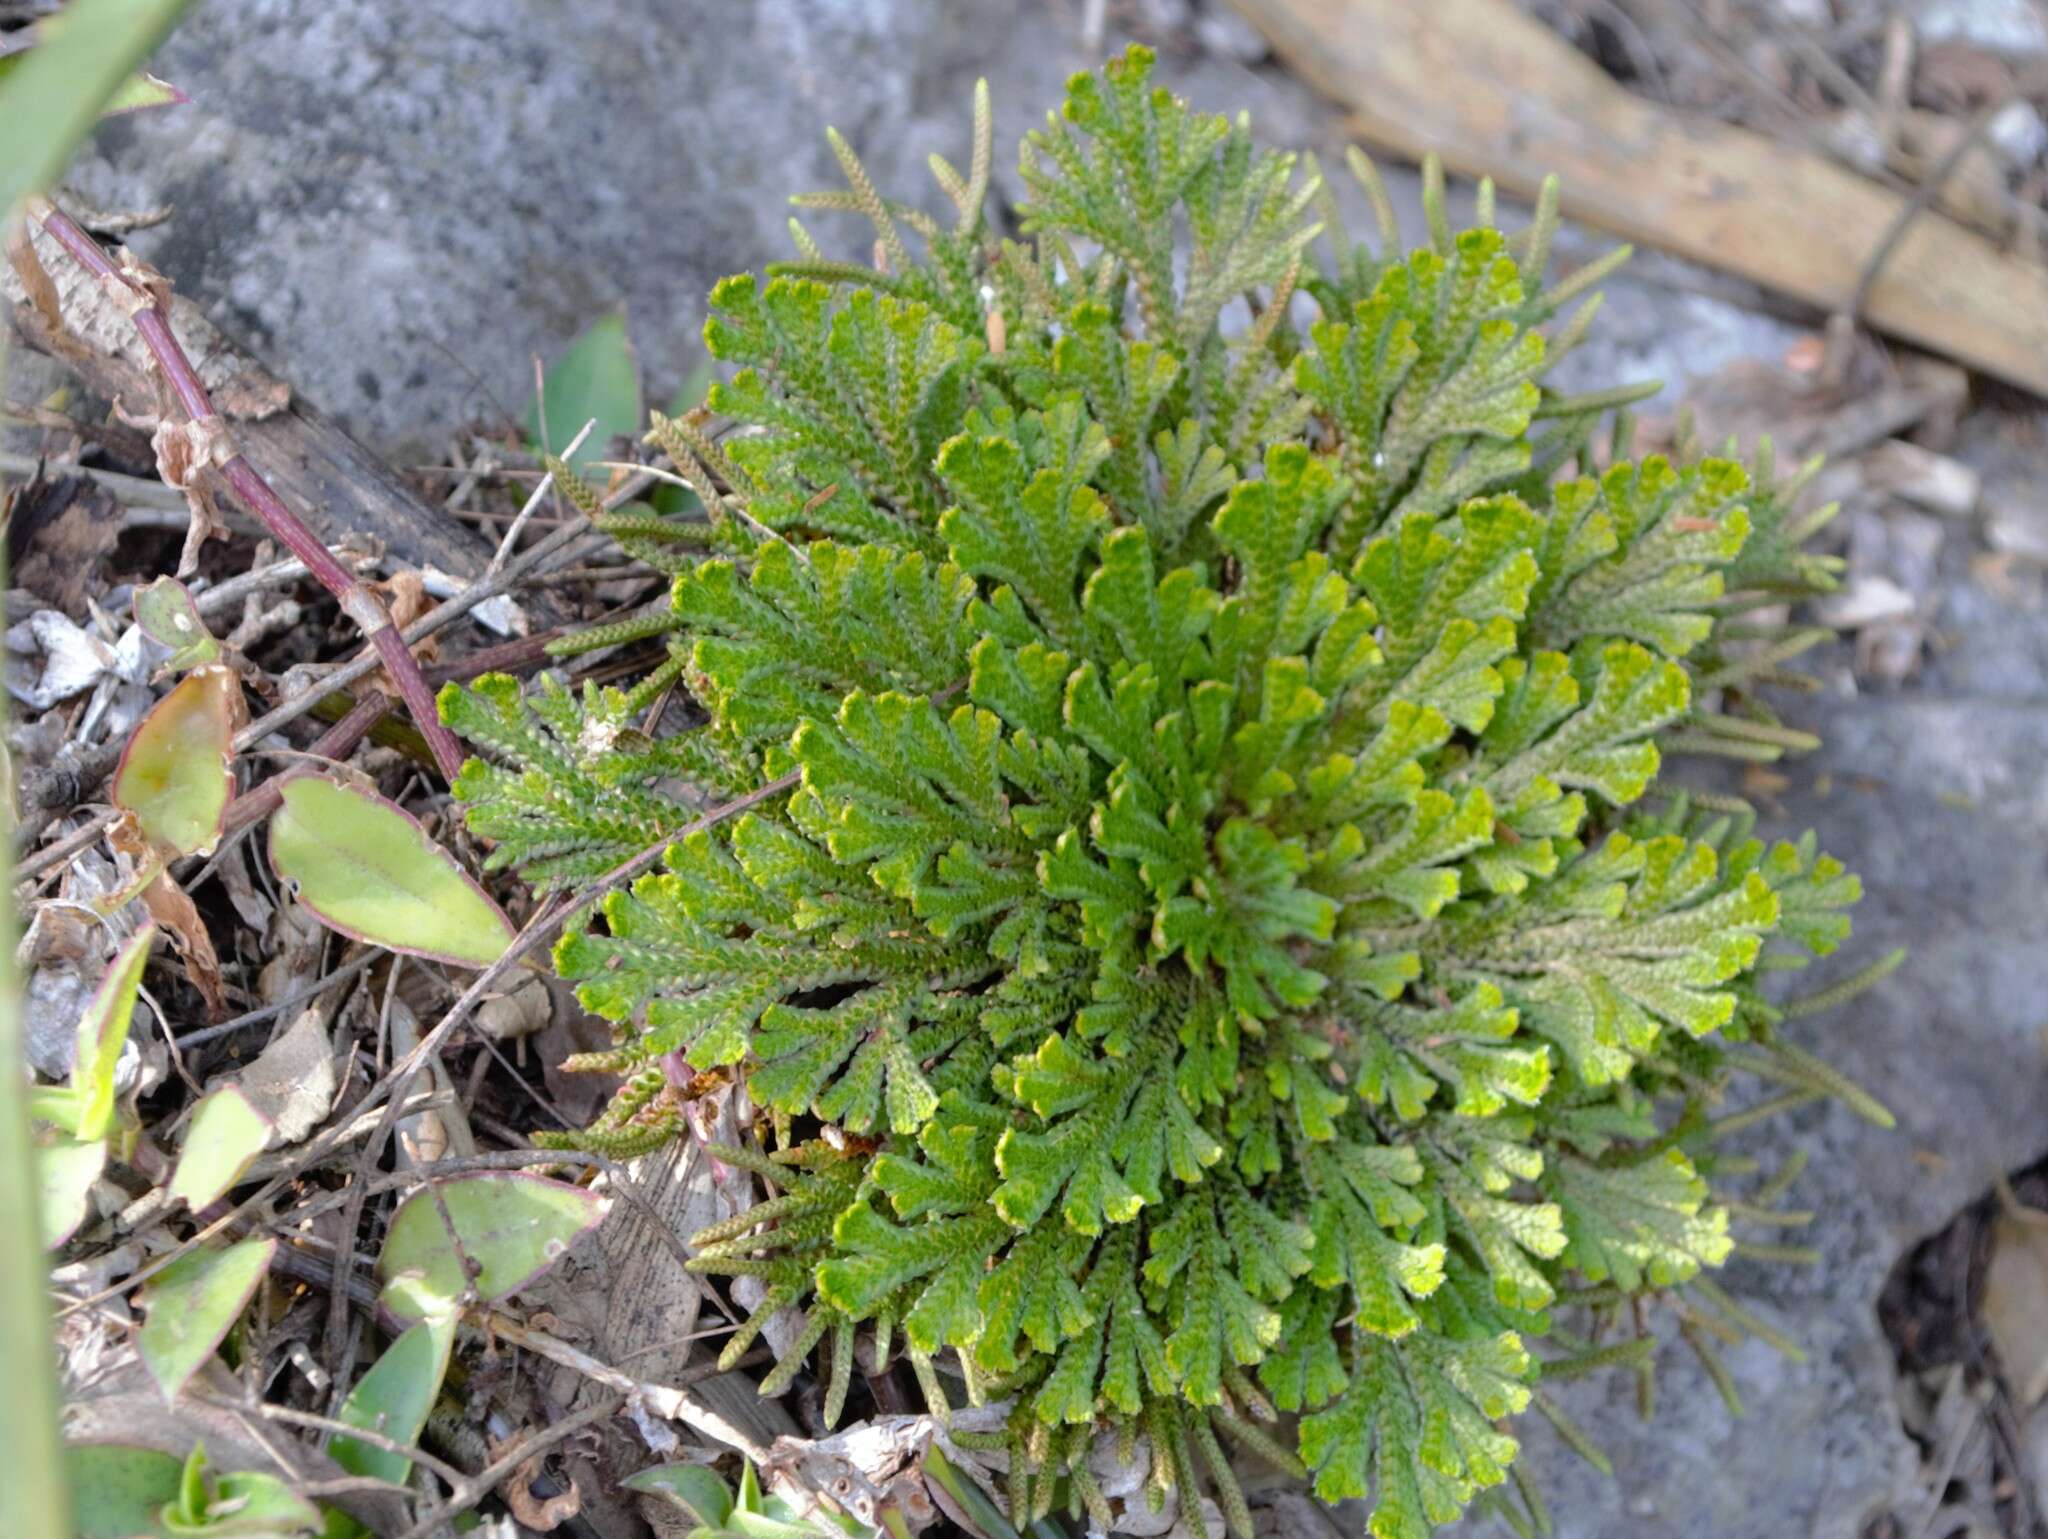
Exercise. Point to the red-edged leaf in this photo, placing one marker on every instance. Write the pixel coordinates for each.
(175, 773)
(366, 867)
(511, 1226)
(191, 1304)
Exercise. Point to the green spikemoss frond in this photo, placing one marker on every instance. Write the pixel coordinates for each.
(1218, 898)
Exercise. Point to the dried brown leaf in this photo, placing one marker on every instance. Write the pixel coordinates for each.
(35, 278)
(252, 395)
(292, 1082)
(541, 1514)
(188, 457)
(60, 531)
(171, 907)
(2016, 1301)
(154, 287)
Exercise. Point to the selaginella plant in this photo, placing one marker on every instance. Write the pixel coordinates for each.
(1172, 857)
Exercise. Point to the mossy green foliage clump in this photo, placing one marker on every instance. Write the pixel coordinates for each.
(1216, 943)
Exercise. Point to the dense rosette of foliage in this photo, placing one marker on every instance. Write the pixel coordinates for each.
(1223, 914)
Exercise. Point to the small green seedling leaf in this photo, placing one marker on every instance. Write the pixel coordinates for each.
(119, 1492)
(142, 91)
(704, 1498)
(243, 1504)
(394, 1397)
(751, 1498)
(176, 773)
(511, 1227)
(365, 867)
(191, 1502)
(756, 1515)
(755, 1525)
(597, 380)
(968, 1497)
(65, 1172)
(227, 1133)
(191, 1304)
(85, 1107)
(249, 1504)
(168, 616)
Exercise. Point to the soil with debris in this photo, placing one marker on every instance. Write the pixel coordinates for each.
(400, 206)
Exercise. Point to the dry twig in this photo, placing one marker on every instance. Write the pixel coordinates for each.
(1930, 188)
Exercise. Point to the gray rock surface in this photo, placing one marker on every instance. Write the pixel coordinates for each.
(1937, 794)
(400, 205)
(1940, 801)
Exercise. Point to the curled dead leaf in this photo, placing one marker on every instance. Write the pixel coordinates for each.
(59, 659)
(189, 455)
(865, 1472)
(541, 1514)
(520, 1011)
(252, 395)
(2015, 1306)
(154, 287)
(404, 600)
(171, 907)
(405, 594)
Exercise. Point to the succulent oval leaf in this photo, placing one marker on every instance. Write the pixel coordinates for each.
(191, 1305)
(696, 1491)
(364, 866)
(597, 381)
(393, 1398)
(84, 1106)
(167, 615)
(119, 1492)
(225, 1136)
(65, 1171)
(176, 774)
(508, 1226)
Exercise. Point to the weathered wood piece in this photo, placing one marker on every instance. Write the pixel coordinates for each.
(1497, 94)
(326, 477)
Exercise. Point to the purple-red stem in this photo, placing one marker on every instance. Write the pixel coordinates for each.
(500, 657)
(357, 602)
(337, 742)
(347, 734)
